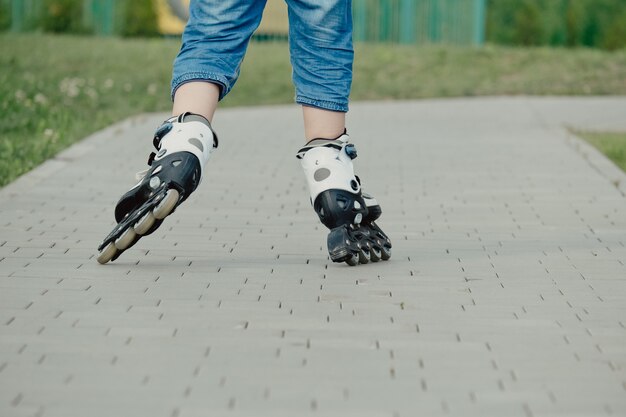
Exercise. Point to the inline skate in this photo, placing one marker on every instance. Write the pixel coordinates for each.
(340, 204)
(183, 147)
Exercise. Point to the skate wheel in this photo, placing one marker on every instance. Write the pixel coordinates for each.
(385, 253)
(126, 240)
(166, 205)
(375, 253)
(353, 260)
(107, 254)
(364, 254)
(144, 224)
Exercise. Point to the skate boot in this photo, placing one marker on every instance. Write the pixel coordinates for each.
(341, 206)
(183, 145)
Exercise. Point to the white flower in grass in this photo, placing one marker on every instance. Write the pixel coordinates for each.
(71, 86)
(108, 84)
(41, 99)
(91, 93)
(152, 89)
(20, 95)
(51, 135)
(48, 133)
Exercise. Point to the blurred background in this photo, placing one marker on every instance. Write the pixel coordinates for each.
(71, 67)
(591, 23)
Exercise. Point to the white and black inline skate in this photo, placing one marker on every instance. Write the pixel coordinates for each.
(341, 206)
(183, 147)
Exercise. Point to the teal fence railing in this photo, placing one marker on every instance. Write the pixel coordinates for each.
(420, 21)
(102, 16)
(24, 15)
(394, 21)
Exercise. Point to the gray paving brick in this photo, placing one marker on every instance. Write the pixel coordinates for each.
(505, 294)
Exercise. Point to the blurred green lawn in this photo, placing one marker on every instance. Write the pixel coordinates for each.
(55, 90)
(612, 144)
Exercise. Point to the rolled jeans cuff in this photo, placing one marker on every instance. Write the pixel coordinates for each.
(210, 77)
(323, 104)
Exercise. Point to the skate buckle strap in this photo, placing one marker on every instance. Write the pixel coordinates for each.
(193, 117)
(151, 158)
(168, 125)
(338, 143)
(160, 133)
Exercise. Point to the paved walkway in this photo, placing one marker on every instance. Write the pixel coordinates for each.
(505, 296)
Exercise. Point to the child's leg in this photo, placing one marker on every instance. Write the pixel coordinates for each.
(320, 36)
(207, 67)
(322, 123)
(199, 97)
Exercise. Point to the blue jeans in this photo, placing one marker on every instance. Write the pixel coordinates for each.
(320, 44)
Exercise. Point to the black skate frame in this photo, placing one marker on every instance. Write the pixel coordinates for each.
(134, 216)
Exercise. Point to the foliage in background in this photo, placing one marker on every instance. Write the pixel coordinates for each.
(129, 18)
(55, 90)
(140, 19)
(527, 21)
(615, 37)
(62, 16)
(590, 23)
(5, 16)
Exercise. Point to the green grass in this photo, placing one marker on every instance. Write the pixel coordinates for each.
(613, 145)
(55, 90)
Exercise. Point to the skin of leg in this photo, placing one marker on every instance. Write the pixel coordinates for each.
(322, 123)
(201, 97)
(198, 97)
